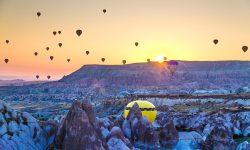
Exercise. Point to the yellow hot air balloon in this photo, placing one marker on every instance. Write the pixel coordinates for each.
(148, 109)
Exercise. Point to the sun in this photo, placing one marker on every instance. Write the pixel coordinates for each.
(160, 58)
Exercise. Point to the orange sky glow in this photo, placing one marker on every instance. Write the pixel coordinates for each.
(179, 29)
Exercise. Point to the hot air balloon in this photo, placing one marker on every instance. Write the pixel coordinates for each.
(164, 58)
(124, 62)
(87, 52)
(54, 32)
(216, 41)
(48, 76)
(37, 76)
(136, 43)
(147, 109)
(51, 57)
(103, 59)
(172, 66)
(36, 53)
(59, 32)
(104, 11)
(148, 60)
(79, 32)
(244, 48)
(6, 60)
(47, 48)
(7, 41)
(68, 60)
(38, 14)
(60, 44)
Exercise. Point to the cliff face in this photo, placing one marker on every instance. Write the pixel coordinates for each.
(188, 73)
(132, 74)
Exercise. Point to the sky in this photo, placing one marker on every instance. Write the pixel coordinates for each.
(176, 29)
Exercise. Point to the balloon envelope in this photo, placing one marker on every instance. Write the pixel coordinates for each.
(216, 41)
(87, 52)
(124, 62)
(6, 60)
(173, 62)
(136, 43)
(103, 59)
(48, 77)
(37, 76)
(79, 32)
(54, 32)
(38, 14)
(104, 11)
(59, 32)
(172, 66)
(68, 60)
(244, 48)
(35, 53)
(47, 48)
(51, 57)
(7, 41)
(60, 44)
(147, 109)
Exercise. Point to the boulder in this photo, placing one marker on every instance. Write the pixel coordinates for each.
(116, 136)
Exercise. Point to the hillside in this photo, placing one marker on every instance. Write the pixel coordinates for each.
(200, 74)
(104, 81)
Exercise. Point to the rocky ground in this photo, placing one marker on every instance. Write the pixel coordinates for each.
(180, 125)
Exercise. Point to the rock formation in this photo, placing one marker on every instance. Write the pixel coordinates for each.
(80, 129)
(220, 137)
(22, 131)
(168, 135)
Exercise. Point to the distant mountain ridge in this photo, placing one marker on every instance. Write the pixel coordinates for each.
(18, 82)
(189, 74)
